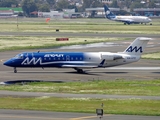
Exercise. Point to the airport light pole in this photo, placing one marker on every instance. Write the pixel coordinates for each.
(17, 21)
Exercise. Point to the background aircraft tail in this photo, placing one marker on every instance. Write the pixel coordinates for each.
(137, 46)
(108, 13)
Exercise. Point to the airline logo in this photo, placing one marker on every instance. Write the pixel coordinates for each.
(54, 55)
(109, 15)
(108, 12)
(34, 61)
(135, 49)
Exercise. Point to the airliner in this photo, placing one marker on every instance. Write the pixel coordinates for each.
(79, 60)
(126, 19)
(9, 16)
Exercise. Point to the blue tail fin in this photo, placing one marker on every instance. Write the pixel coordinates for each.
(108, 13)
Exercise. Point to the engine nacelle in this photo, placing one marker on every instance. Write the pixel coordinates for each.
(110, 57)
(107, 57)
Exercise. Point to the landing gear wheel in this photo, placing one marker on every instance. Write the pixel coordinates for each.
(80, 71)
(15, 70)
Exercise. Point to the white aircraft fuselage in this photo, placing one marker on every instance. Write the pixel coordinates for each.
(132, 19)
(126, 19)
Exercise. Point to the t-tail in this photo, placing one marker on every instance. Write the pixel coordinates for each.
(108, 13)
(137, 46)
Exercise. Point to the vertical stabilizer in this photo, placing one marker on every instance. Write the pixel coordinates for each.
(108, 13)
(137, 46)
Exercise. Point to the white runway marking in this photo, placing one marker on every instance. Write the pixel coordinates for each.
(1, 60)
(133, 68)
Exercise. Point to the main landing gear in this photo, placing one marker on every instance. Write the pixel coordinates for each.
(79, 70)
(15, 70)
(126, 23)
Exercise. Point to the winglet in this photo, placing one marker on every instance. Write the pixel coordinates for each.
(102, 63)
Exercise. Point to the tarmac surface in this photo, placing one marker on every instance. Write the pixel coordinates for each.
(142, 70)
(43, 115)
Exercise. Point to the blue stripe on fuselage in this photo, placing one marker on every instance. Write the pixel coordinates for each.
(50, 59)
(54, 59)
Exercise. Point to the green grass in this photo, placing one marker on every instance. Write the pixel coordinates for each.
(77, 25)
(10, 43)
(152, 56)
(86, 105)
(117, 87)
(82, 28)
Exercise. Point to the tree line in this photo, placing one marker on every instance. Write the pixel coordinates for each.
(29, 6)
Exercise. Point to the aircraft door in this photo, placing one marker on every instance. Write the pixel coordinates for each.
(67, 58)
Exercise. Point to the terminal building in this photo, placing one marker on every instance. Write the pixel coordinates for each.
(99, 12)
(150, 12)
(8, 12)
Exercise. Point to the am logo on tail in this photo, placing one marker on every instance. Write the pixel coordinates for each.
(79, 60)
(126, 19)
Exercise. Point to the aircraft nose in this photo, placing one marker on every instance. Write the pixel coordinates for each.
(8, 63)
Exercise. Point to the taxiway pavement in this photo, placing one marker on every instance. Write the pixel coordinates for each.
(44, 115)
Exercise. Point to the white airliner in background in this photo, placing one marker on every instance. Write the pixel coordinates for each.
(9, 16)
(126, 19)
(79, 60)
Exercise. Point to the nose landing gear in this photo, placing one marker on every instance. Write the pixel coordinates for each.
(15, 70)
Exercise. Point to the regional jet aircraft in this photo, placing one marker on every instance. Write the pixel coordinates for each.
(79, 60)
(126, 19)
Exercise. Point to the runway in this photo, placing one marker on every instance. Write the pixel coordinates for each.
(43, 115)
(67, 34)
(141, 70)
(68, 95)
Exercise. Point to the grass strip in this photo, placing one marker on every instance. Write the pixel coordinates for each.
(78, 25)
(86, 105)
(10, 42)
(116, 87)
(152, 56)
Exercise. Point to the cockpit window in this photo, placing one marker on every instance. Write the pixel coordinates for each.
(19, 56)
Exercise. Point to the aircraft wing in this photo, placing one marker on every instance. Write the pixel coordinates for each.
(126, 20)
(79, 66)
(85, 66)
